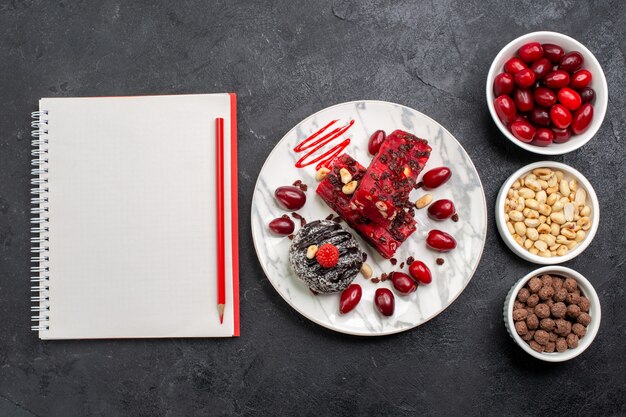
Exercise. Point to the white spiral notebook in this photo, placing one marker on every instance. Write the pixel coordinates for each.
(124, 227)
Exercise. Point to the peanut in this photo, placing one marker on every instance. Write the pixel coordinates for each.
(311, 251)
(509, 226)
(526, 193)
(366, 270)
(541, 197)
(345, 175)
(520, 228)
(532, 233)
(423, 201)
(516, 216)
(558, 218)
(321, 173)
(349, 188)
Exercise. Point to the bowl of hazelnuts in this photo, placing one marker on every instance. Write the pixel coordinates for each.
(553, 313)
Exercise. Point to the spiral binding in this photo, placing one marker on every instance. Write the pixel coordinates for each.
(40, 278)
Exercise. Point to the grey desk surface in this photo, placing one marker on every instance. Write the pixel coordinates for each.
(286, 60)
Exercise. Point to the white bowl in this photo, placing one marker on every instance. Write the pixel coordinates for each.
(598, 83)
(586, 289)
(569, 173)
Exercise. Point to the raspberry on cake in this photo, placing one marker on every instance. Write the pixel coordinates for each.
(338, 259)
(385, 187)
(384, 239)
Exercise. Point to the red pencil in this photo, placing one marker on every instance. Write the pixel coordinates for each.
(221, 269)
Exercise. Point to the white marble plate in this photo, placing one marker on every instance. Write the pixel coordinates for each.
(449, 279)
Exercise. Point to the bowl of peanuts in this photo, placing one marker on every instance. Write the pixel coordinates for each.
(547, 212)
(553, 313)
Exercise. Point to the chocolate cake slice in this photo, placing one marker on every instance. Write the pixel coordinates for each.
(385, 187)
(318, 278)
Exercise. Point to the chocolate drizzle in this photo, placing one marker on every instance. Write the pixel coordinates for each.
(318, 278)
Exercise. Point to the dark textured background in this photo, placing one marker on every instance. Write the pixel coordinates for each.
(286, 60)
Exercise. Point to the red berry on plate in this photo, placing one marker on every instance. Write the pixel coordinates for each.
(541, 68)
(384, 301)
(571, 62)
(440, 241)
(587, 94)
(553, 52)
(531, 52)
(282, 226)
(420, 272)
(327, 255)
(560, 116)
(569, 98)
(403, 283)
(436, 176)
(557, 79)
(441, 209)
(525, 78)
(561, 135)
(523, 99)
(503, 84)
(505, 109)
(544, 97)
(290, 197)
(543, 137)
(376, 140)
(350, 297)
(523, 130)
(539, 116)
(580, 79)
(582, 118)
(514, 65)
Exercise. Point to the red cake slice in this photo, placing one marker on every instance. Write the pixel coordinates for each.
(385, 187)
(384, 239)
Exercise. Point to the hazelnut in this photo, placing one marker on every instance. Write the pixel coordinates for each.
(572, 341)
(570, 285)
(550, 346)
(557, 283)
(547, 324)
(561, 344)
(584, 319)
(532, 321)
(535, 346)
(545, 293)
(572, 298)
(558, 310)
(520, 314)
(541, 337)
(518, 304)
(523, 295)
(542, 311)
(573, 311)
(563, 327)
(560, 295)
(546, 280)
(520, 328)
(583, 303)
(534, 285)
(579, 330)
(553, 336)
(533, 300)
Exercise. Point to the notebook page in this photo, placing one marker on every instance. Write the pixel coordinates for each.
(132, 217)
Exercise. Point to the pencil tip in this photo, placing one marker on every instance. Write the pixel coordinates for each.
(220, 310)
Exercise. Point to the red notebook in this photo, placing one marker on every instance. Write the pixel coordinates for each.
(125, 235)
